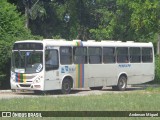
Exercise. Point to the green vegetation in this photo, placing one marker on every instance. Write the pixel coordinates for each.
(157, 70)
(94, 19)
(11, 23)
(138, 101)
(11, 29)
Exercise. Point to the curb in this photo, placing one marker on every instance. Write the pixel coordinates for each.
(5, 91)
(146, 85)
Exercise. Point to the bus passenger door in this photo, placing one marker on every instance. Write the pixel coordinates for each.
(51, 69)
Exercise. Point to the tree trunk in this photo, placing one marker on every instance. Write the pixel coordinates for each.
(27, 15)
(158, 45)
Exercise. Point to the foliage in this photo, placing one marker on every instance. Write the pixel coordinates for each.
(128, 20)
(11, 24)
(124, 20)
(5, 51)
(2, 77)
(157, 69)
(11, 29)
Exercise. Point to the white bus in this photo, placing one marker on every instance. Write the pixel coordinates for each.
(62, 65)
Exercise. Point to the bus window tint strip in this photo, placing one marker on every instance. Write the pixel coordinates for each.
(28, 46)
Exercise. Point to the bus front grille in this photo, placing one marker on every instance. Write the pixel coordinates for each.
(25, 85)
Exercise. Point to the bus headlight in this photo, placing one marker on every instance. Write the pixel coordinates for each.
(13, 77)
(37, 80)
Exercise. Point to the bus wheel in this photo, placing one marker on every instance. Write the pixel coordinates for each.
(66, 86)
(122, 83)
(96, 88)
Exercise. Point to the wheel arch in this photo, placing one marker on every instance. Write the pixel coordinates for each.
(67, 77)
(122, 74)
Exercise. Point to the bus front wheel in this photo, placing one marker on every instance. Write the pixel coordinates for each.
(122, 84)
(66, 86)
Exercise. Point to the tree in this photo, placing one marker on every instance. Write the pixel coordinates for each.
(127, 20)
(11, 29)
(11, 23)
(95, 19)
(145, 17)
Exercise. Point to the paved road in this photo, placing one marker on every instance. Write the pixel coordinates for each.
(8, 94)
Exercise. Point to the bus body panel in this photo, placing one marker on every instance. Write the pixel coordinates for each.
(101, 75)
(137, 75)
(52, 80)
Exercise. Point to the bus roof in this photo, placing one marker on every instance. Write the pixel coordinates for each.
(62, 42)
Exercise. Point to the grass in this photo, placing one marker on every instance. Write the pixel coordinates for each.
(105, 102)
(148, 100)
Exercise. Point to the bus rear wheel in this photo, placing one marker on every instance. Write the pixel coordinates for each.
(96, 88)
(66, 86)
(122, 84)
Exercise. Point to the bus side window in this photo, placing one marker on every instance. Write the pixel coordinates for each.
(122, 55)
(51, 59)
(109, 55)
(66, 55)
(95, 55)
(135, 54)
(147, 55)
(80, 55)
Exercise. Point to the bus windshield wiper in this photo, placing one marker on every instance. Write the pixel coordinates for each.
(20, 54)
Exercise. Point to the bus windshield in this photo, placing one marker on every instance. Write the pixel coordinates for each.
(27, 61)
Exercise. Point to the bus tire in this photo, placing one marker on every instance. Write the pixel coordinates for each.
(66, 86)
(96, 88)
(122, 83)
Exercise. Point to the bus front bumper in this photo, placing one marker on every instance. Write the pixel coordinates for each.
(26, 86)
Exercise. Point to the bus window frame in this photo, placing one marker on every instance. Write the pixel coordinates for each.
(55, 67)
(100, 55)
(148, 55)
(140, 55)
(71, 55)
(85, 56)
(122, 55)
(113, 55)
